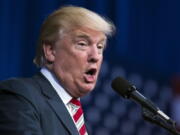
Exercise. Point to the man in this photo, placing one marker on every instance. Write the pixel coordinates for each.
(70, 53)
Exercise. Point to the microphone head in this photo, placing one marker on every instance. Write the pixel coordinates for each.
(122, 87)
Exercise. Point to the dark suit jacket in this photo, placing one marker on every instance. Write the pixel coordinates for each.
(32, 107)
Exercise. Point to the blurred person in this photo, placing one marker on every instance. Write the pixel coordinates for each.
(69, 53)
(176, 100)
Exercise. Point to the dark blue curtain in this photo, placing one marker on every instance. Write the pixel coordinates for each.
(146, 41)
(145, 50)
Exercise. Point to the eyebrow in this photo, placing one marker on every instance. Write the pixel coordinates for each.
(83, 36)
(86, 36)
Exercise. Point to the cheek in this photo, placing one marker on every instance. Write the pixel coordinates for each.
(79, 58)
(72, 65)
(71, 60)
(100, 61)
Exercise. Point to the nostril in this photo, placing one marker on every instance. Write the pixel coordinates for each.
(93, 60)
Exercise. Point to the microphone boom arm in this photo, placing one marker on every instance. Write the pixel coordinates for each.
(156, 119)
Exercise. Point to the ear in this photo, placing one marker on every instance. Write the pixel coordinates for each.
(49, 53)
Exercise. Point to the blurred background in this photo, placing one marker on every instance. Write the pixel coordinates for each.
(144, 50)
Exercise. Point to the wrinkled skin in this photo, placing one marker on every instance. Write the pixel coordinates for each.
(76, 59)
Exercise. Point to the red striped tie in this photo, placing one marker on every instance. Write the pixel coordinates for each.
(78, 116)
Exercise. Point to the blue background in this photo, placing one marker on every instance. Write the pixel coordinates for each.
(144, 50)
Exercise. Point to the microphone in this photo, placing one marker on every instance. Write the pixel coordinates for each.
(127, 90)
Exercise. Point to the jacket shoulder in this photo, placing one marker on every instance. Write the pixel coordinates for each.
(19, 85)
(25, 87)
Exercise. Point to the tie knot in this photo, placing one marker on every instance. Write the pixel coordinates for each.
(75, 102)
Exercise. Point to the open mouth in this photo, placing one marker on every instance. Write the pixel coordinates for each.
(91, 71)
(90, 75)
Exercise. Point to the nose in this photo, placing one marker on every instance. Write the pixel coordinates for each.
(94, 55)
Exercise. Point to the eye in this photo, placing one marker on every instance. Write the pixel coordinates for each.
(101, 46)
(82, 43)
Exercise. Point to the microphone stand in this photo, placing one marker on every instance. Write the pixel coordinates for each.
(156, 119)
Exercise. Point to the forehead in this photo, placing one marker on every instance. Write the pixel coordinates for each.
(88, 33)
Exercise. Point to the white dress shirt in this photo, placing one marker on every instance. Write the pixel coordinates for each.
(62, 93)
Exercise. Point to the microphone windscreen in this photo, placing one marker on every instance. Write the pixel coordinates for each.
(121, 86)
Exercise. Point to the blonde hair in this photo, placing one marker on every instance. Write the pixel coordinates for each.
(65, 19)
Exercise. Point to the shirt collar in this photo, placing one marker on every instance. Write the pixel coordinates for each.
(62, 93)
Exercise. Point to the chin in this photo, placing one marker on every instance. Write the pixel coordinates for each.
(88, 88)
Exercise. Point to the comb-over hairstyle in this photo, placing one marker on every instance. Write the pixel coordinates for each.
(65, 19)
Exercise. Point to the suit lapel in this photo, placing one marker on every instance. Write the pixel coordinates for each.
(63, 115)
(56, 104)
